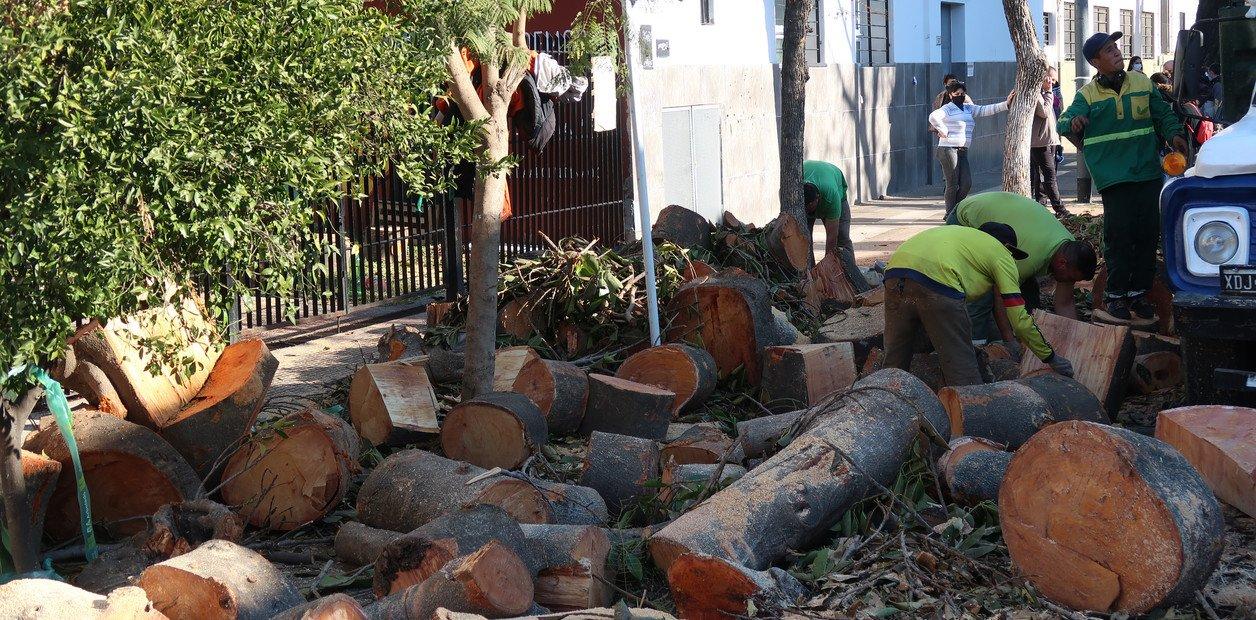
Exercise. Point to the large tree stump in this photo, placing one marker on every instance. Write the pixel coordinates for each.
(334, 607)
(41, 474)
(627, 408)
(393, 403)
(687, 229)
(1220, 442)
(759, 437)
(1104, 519)
(410, 559)
(801, 376)
(294, 473)
(130, 472)
(731, 317)
(973, 469)
(214, 423)
(688, 372)
(52, 599)
(219, 580)
(1101, 355)
(493, 581)
(1010, 412)
(413, 487)
(1158, 371)
(358, 545)
(788, 245)
(862, 327)
(571, 504)
(572, 563)
(559, 389)
(497, 429)
(618, 467)
(702, 443)
(794, 497)
(826, 288)
(708, 587)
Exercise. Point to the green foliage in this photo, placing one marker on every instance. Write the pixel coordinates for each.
(157, 141)
(596, 31)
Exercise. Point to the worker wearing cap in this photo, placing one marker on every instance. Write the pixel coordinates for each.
(929, 278)
(1118, 117)
(824, 193)
(1051, 249)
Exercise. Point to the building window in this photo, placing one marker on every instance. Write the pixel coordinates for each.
(814, 51)
(708, 12)
(1149, 35)
(1101, 19)
(1046, 29)
(872, 28)
(1182, 21)
(1166, 25)
(1127, 29)
(1069, 28)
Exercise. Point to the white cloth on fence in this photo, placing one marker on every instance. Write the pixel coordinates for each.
(555, 79)
(605, 100)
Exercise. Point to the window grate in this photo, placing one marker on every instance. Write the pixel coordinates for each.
(1127, 28)
(1069, 17)
(872, 27)
(812, 43)
(1149, 34)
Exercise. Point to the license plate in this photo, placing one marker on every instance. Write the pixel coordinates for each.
(1238, 279)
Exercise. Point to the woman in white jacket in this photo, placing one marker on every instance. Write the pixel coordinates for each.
(953, 123)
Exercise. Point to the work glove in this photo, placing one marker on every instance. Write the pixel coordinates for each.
(1060, 364)
(1014, 347)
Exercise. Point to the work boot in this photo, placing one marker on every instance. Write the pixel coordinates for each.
(1061, 211)
(1117, 312)
(1143, 312)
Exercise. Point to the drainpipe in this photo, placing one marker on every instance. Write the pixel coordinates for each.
(643, 195)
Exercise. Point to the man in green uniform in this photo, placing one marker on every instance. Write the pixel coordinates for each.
(1121, 120)
(929, 278)
(1051, 249)
(824, 191)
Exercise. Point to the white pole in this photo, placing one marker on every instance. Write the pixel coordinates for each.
(643, 196)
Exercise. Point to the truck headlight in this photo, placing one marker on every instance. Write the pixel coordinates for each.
(1215, 235)
(1216, 242)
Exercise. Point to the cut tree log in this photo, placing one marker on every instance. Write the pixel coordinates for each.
(687, 229)
(48, 598)
(413, 487)
(925, 366)
(693, 478)
(399, 342)
(802, 376)
(130, 472)
(496, 429)
(41, 474)
(437, 310)
(1010, 412)
(1102, 355)
(627, 408)
(492, 581)
(1220, 442)
(217, 420)
(393, 403)
(973, 469)
(294, 472)
(756, 520)
(619, 466)
(1154, 372)
(731, 317)
(871, 297)
(445, 366)
(358, 545)
(707, 587)
(862, 327)
(572, 563)
(408, 560)
(697, 269)
(596, 613)
(179, 528)
(730, 221)
(334, 607)
(520, 317)
(759, 437)
(702, 443)
(788, 245)
(688, 372)
(117, 567)
(87, 379)
(826, 288)
(571, 339)
(219, 579)
(559, 389)
(1101, 518)
(571, 504)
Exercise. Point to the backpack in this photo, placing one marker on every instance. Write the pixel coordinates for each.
(535, 122)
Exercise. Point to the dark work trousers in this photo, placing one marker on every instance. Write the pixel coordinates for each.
(981, 312)
(1042, 175)
(956, 171)
(913, 311)
(1131, 234)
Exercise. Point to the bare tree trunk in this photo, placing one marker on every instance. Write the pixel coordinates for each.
(1031, 67)
(793, 109)
(23, 543)
(483, 270)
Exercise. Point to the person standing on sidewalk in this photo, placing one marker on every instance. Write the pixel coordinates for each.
(927, 281)
(953, 122)
(824, 193)
(1043, 140)
(1118, 116)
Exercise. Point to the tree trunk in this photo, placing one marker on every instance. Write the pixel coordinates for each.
(494, 429)
(759, 437)
(572, 563)
(24, 540)
(334, 607)
(482, 270)
(1220, 442)
(618, 467)
(393, 403)
(1031, 66)
(627, 408)
(572, 504)
(1102, 355)
(559, 389)
(688, 372)
(701, 444)
(1010, 412)
(794, 111)
(358, 545)
(492, 581)
(48, 598)
(801, 376)
(219, 580)
(683, 227)
(788, 245)
(973, 470)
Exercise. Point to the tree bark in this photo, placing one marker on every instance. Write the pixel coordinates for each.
(1031, 66)
(219, 579)
(793, 110)
(23, 542)
(48, 598)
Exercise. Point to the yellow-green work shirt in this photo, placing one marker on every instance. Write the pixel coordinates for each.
(1038, 233)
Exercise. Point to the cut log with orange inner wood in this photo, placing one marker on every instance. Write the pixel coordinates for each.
(826, 287)
(572, 561)
(393, 403)
(1104, 519)
(294, 472)
(697, 269)
(219, 579)
(973, 469)
(399, 342)
(800, 376)
(702, 443)
(41, 474)
(1220, 442)
(410, 559)
(572, 504)
(1102, 355)
(496, 429)
(731, 317)
(559, 389)
(788, 245)
(358, 545)
(492, 581)
(1010, 412)
(862, 327)
(627, 408)
(130, 473)
(520, 317)
(1158, 371)
(214, 423)
(413, 487)
(684, 227)
(618, 467)
(571, 339)
(707, 587)
(334, 607)
(687, 371)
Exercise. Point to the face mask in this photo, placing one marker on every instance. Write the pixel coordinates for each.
(958, 101)
(1137, 67)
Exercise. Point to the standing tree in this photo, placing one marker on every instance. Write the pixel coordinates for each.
(794, 110)
(1031, 66)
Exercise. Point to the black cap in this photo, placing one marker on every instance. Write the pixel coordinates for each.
(1006, 235)
(1096, 42)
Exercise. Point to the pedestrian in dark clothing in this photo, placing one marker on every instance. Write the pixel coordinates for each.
(1043, 139)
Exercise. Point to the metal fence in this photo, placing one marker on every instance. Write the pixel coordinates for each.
(392, 244)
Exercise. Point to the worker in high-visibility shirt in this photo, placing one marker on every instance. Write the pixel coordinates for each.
(929, 279)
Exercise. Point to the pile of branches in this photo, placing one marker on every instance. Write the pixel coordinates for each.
(745, 247)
